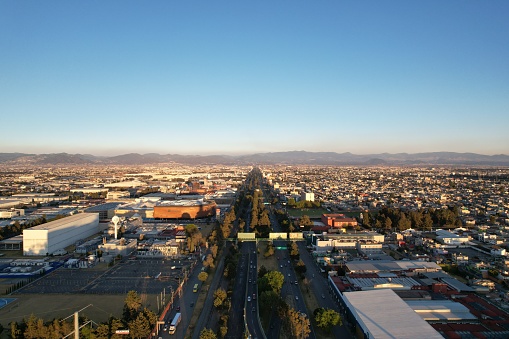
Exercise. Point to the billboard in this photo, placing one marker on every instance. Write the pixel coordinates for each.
(281, 235)
(296, 236)
(246, 236)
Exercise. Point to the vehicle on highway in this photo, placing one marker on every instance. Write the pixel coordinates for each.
(248, 298)
(254, 296)
(195, 288)
(174, 323)
(192, 304)
(253, 309)
(165, 328)
(323, 296)
(296, 297)
(178, 308)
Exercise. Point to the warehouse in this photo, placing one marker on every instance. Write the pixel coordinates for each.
(397, 320)
(47, 238)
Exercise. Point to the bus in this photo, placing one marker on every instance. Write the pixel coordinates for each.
(174, 323)
(195, 288)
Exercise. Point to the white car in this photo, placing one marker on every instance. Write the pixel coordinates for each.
(248, 298)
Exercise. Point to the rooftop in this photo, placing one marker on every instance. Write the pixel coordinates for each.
(396, 321)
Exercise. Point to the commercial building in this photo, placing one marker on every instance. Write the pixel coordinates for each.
(47, 238)
(184, 209)
(338, 220)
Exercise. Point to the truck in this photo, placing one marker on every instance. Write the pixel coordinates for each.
(174, 323)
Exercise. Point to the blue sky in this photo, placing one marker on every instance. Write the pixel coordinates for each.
(238, 77)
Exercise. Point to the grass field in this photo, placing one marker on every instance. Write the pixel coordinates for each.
(52, 306)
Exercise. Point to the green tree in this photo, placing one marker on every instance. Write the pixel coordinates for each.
(275, 280)
(139, 327)
(102, 331)
(207, 334)
(203, 276)
(427, 222)
(132, 305)
(326, 318)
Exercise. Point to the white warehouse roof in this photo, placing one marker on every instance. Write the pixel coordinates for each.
(64, 222)
(397, 320)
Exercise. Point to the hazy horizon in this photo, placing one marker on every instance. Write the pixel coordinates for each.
(204, 78)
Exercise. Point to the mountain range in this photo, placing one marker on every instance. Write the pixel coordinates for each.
(285, 158)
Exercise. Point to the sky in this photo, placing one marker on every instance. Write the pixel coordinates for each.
(242, 77)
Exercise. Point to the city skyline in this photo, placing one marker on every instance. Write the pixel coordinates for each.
(241, 78)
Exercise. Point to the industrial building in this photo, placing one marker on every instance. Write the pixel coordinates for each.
(397, 320)
(56, 235)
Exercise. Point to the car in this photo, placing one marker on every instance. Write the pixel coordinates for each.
(250, 280)
(288, 261)
(296, 282)
(296, 297)
(192, 304)
(165, 328)
(248, 298)
(254, 296)
(288, 274)
(323, 296)
(281, 266)
(253, 310)
(178, 308)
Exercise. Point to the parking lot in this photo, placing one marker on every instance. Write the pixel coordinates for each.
(150, 276)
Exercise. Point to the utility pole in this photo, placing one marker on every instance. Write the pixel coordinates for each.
(76, 326)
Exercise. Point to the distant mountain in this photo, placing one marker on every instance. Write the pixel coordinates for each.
(289, 158)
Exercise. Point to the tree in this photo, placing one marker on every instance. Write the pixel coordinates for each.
(305, 222)
(102, 331)
(301, 267)
(209, 261)
(388, 223)
(326, 318)
(275, 280)
(299, 323)
(262, 271)
(132, 305)
(403, 223)
(207, 334)
(219, 297)
(294, 250)
(139, 327)
(427, 222)
(203, 276)
(213, 250)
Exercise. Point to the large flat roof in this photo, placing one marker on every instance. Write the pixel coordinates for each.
(389, 265)
(385, 315)
(61, 222)
(441, 310)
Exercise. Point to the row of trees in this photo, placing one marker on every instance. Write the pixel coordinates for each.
(16, 228)
(303, 204)
(390, 218)
(140, 322)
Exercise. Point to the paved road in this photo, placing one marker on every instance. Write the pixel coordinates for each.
(320, 288)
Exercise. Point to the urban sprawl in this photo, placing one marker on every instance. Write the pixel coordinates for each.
(253, 252)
